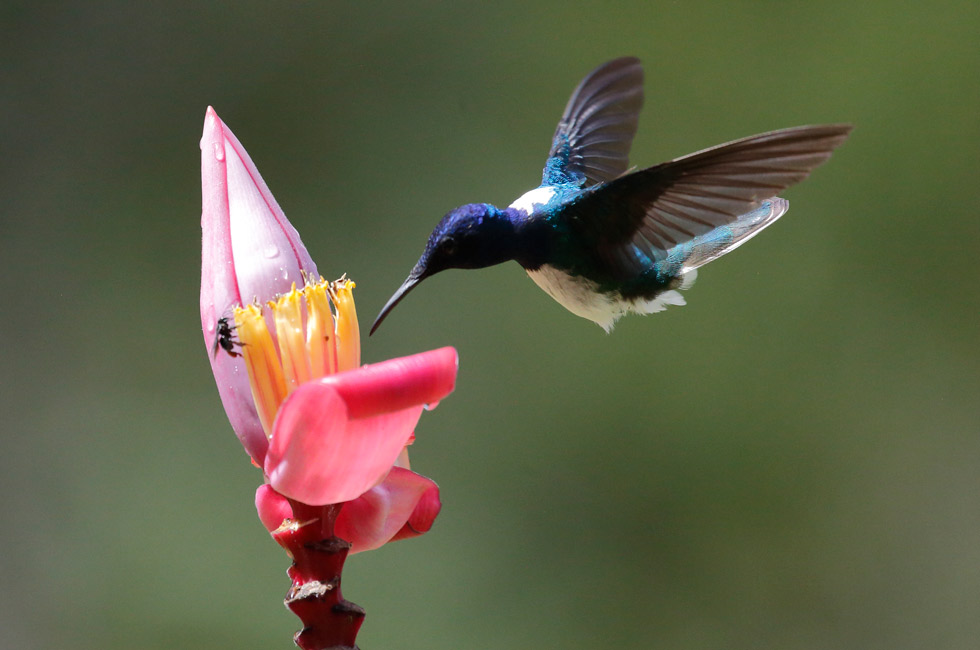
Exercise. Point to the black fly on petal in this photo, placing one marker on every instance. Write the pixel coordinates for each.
(225, 338)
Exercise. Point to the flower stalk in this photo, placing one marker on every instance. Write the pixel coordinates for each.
(329, 621)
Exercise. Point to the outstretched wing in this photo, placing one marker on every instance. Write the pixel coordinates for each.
(633, 221)
(593, 138)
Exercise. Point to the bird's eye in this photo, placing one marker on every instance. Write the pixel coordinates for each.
(449, 247)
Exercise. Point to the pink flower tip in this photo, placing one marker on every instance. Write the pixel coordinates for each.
(249, 251)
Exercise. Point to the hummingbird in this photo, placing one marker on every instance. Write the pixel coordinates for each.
(604, 240)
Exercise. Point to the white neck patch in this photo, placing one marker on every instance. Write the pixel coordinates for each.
(535, 197)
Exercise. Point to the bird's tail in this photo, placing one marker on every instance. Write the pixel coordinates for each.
(724, 239)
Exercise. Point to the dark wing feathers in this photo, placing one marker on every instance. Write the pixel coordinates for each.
(657, 208)
(715, 186)
(593, 138)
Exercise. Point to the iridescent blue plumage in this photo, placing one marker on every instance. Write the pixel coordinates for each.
(603, 241)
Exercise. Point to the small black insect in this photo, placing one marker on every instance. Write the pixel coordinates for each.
(225, 338)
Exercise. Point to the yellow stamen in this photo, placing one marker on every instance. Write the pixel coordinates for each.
(320, 337)
(327, 344)
(287, 313)
(264, 369)
(348, 336)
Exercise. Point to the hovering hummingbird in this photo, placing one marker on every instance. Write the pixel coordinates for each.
(604, 241)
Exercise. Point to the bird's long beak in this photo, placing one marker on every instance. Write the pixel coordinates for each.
(407, 286)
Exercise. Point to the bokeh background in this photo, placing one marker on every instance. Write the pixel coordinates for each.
(790, 461)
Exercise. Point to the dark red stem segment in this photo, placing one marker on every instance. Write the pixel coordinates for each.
(329, 621)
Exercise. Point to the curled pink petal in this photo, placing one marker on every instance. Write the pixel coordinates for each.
(318, 454)
(249, 250)
(272, 507)
(403, 505)
(392, 385)
(335, 438)
(423, 516)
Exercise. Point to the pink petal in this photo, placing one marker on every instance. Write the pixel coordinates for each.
(423, 516)
(273, 507)
(423, 378)
(337, 437)
(318, 454)
(249, 250)
(404, 505)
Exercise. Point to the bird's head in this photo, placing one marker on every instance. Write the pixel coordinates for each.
(472, 236)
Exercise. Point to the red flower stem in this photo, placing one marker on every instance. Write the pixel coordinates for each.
(329, 621)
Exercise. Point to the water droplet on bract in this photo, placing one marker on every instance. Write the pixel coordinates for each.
(429, 407)
(271, 251)
(219, 151)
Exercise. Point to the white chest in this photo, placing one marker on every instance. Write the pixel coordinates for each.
(580, 296)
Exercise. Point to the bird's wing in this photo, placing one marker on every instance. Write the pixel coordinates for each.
(593, 138)
(636, 219)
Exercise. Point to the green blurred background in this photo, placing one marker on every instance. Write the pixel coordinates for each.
(790, 461)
